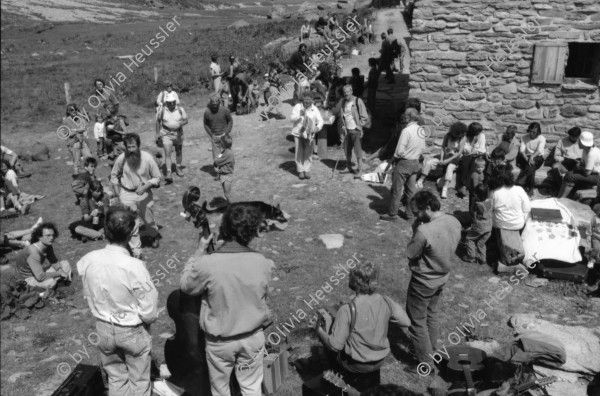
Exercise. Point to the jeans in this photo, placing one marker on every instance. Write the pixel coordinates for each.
(245, 355)
(304, 151)
(352, 142)
(125, 357)
(422, 309)
(142, 205)
(404, 176)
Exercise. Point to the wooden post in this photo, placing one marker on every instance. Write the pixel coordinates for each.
(68, 92)
(155, 75)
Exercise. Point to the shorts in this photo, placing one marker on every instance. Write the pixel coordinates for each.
(226, 178)
(175, 137)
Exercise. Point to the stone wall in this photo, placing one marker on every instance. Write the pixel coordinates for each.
(471, 61)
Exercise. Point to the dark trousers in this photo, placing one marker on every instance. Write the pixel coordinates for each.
(475, 242)
(404, 176)
(422, 309)
(527, 180)
(559, 169)
(580, 181)
(385, 65)
(352, 143)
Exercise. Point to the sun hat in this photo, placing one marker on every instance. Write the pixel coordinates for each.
(587, 139)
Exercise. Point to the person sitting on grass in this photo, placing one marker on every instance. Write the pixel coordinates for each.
(20, 238)
(587, 173)
(225, 163)
(481, 226)
(82, 186)
(12, 158)
(37, 264)
(358, 342)
(448, 158)
(10, 191)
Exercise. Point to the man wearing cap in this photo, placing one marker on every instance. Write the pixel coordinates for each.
(170, 120)
(215, 72)
(587, 173)
(160, 100)
(217, 123)
(307, 121)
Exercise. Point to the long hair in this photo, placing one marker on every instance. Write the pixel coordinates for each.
(501, 177)
(474, 130)
(535, 127)
(457, 131)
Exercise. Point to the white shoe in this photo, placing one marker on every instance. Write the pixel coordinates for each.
(419, 184)
(444, 192)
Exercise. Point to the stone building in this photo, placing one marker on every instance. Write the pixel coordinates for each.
(502, 63)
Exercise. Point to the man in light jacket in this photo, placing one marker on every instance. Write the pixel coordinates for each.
(353, 117)
(307, 122)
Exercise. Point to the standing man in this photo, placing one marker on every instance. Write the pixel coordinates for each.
(429, 253)
(215, 72)
(406, 164)
(386, 59)
(217, 123)
(353, 115)
(134, 174)
(307, 121)
(233, 282)
(124, 301)
(170, 120)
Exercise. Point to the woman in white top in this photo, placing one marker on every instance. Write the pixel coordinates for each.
(510, 208)
(531, 156)
(587, 173)
(307, 122)
(473, 147)
(305, 31)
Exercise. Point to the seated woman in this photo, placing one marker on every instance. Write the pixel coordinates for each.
(510, 144)
(37, 264)
(567, 155)
(531, 156)
(473, 147)
(10, 191)
(305, 31)
(587, 173)
(510, 208)
(361, 345)
(452, 147)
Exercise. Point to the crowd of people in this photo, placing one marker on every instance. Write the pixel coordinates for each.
(234, 280)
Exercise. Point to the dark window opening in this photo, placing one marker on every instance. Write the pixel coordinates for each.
(583, 61)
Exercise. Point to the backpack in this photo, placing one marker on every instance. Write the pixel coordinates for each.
(367, 123)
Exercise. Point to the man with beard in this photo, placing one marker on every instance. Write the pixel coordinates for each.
(134, 174)
(429, 253)
(217, 123)
(170, 120)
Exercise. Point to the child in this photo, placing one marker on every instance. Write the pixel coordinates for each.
(510, 144)
(372, 82)
(83, 187)
(99, 134)
(497, 157)
(225, 163)
(477, 177)
(481, 227)
(358, 83)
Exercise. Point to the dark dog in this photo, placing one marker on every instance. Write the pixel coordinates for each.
(268, 212)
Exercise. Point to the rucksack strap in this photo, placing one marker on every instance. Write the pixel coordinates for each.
(352, 315)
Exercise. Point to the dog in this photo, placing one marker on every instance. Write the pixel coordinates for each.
(271, 215)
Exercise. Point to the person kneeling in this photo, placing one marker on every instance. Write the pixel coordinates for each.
(360, 340)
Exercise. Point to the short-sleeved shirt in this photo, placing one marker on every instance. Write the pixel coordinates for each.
(592, 160)
(215, 71)
(368, 341)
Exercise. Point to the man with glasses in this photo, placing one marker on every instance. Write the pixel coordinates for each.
(37, 264)
(133, 176)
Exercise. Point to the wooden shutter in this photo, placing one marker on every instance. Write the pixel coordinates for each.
(549, 60)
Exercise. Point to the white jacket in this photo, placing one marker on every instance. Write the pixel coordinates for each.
(312, 118)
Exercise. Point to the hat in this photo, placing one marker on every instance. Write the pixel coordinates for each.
(170, 97)
(586, 139)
